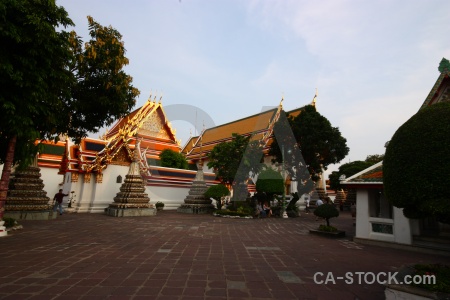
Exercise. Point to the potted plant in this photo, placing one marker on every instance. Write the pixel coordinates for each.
(159, 205)
(327, 211)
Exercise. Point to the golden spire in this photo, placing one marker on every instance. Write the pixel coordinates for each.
(313, 103)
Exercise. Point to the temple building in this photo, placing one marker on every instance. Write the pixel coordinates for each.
(259, 127)
(93, 171)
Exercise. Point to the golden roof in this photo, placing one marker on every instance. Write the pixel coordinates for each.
(258, 126)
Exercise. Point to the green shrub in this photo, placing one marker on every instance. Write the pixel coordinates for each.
(9, 222)
(327, 228)
(441, 273)
(226, 212)
(326, 211)
(217, 192)
(415, 166)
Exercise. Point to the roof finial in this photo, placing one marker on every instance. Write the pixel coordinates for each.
(444, 66)
(160, 98)
(150, 97)
(313, 103)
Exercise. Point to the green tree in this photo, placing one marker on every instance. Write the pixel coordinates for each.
(102, 91)
(217, 192)
(234, 161)
(310, 144)
(172, 159)
(326, 211)
(415, 168)
(374, 158)
(270, 182)
(51, 86)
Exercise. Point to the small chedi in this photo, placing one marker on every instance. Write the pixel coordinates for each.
(196, 202)
(132, 199)
(26, 198)
(340, 199)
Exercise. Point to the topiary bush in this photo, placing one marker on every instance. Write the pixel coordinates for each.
(416, 168)
(217, 192)
(271, 182)
(326, 211)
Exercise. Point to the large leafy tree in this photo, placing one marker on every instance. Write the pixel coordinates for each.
(51, 85)
(415, 168)
(374, 158)
(102, 91)
(234, 161)
(307, 144)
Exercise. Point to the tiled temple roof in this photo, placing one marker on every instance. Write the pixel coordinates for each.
(258, 126)
(373, 175)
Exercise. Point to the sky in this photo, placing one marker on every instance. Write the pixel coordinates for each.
(373, 63)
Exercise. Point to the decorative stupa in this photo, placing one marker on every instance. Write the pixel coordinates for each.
(26, 198)
(340, 198)
(132, 199)
(196, 202)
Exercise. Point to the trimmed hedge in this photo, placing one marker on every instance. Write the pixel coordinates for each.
(416, 167)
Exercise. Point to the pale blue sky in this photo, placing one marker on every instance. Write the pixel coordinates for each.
(373, 62)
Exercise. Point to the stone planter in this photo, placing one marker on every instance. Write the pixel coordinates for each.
(334, 234)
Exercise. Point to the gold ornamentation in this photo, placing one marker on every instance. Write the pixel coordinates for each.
(74, 177)
(154, 126)
(99, 178)
(121, 158)
(87, 178)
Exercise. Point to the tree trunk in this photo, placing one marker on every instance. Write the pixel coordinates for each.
(328, 222)
(6, 173)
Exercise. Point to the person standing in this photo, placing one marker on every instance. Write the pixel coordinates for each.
(58, 201)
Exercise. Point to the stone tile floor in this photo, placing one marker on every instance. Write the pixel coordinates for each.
(180, 256)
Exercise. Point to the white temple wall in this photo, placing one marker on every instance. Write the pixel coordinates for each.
(52, 181)
(362, 214)
(172, 197)
(105, 192)
(84, 198)
(402, 227)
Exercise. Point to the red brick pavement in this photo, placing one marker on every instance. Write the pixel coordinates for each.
(179, 256)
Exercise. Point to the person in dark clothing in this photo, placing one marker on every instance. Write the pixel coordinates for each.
(58, 201)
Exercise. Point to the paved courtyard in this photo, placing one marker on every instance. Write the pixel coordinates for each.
(179, 256)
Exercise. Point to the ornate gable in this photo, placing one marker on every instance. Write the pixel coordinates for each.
(155, 126)
(122, 158)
